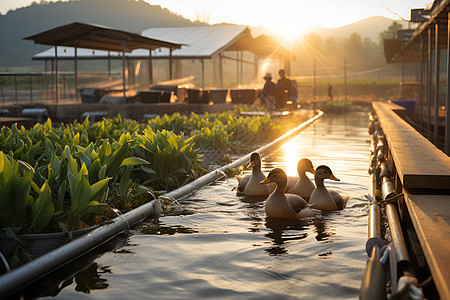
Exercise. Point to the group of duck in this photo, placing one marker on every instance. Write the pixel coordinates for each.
(288, 197)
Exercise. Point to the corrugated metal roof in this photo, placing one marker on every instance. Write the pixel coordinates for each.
(201, 41)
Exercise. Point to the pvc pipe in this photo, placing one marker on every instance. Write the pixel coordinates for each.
(373, 284)
(387, 188)
(37, 268)
(374, 231)
(398, 240)
(384, 170)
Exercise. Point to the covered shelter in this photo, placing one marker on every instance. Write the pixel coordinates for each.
(199, 43)
(79, 35)
(428, 46)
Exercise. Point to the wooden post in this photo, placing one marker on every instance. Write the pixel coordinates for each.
(436, 79)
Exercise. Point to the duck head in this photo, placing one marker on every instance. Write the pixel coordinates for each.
(255, 160)
(305, 165)
(277, 176)
(324, 172)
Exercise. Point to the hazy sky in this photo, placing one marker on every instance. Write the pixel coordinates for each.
(277, 14)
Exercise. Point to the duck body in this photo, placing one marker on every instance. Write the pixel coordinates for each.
(304, 186)
(249, 185)
(322, 198)
(285, 206)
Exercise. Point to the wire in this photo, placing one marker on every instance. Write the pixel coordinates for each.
(389, 200)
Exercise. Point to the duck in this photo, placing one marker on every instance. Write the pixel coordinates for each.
(285, 206)
(304, 186)
(249, 185)
(322, 198)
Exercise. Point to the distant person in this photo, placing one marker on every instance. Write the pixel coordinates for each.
(288, 88)
(270, 93)
(330, 92)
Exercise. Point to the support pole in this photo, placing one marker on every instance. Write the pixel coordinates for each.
(150, 67)
(436, 79)
(170, 64)
(109, 65)
(403, 77)
(220, 70)
(203, 73)
(242, 67)
(447, 104)
(56, 74)
(237, 68)
(345, 78)
(75, 71)
(314, 80)
(429, 83)
(422, 69)
(123, 69)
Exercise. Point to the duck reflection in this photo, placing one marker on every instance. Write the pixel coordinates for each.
(279, 235)
(322, 229)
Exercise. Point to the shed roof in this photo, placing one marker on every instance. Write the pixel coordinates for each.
(91, 36)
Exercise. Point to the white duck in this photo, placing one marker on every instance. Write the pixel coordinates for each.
(322, 198)
(285, 206)
(304, 186)
(249, 185)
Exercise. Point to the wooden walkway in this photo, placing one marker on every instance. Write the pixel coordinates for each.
(424, 172)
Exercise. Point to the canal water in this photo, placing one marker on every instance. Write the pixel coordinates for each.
(215, 244)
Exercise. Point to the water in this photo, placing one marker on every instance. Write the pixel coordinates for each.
(217, 245)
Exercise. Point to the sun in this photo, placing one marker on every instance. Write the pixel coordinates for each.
(286, 32)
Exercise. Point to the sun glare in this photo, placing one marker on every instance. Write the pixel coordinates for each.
(291, 158)
(288, 33)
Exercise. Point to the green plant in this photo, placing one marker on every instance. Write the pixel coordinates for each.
(20, 209)
(215, 138)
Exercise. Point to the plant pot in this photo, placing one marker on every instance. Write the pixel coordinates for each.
(40, 243)
(219, 95)
(150, 96)
(243, 96)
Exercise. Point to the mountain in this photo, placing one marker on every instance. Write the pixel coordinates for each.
(127, 15)
(370, 27)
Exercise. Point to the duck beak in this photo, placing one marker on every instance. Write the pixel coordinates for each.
(267, 180)
(251, 165)
(312, 171)
(332, 177)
